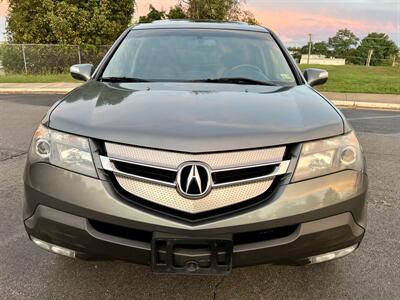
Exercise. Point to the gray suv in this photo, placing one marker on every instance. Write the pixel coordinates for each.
(195, 147)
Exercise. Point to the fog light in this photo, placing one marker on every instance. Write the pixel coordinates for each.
(53, 248)
(331, 255)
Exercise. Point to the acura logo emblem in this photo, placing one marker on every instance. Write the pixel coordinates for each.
(194, 180)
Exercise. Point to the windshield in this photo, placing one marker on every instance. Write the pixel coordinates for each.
(180, 55)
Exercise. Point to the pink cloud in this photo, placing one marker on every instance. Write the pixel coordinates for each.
(293, 22)
(142, 6)
(3, 8)
(296, 25)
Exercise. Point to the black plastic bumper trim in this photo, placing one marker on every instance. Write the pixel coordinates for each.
(311, 238)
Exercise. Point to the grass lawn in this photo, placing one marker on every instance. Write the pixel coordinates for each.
(352, 79)
(360, 79)
(20, 78)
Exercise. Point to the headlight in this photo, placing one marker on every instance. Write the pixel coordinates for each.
(329, 156)
(64, 150)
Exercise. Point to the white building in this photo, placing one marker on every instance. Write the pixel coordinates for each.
(322, 60)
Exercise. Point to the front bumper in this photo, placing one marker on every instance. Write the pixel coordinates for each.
(328, 212)
(309, 239)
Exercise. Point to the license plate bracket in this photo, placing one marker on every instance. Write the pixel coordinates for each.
(176, 254)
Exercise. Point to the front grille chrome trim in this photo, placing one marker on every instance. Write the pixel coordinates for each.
(152, 175)
(137, 163)
(216, 161)
(109, 166)
(281, 169)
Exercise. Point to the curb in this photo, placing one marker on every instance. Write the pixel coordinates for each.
(362, 104)
(16, 91)
(362, 100)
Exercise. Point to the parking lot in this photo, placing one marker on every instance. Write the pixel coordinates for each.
(372, 272)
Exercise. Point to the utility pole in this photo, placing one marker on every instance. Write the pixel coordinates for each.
(309, 47)
(370, 52)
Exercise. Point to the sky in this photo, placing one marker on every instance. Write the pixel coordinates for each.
(293, 20)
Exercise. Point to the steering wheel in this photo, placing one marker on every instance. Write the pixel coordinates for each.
(239, 70)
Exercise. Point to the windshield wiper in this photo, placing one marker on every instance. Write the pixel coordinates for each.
(235, 80)
(123, 79)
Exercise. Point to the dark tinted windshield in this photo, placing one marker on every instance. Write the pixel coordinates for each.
(199, 54)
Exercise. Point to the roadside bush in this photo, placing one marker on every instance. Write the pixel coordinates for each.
(48, 59)
(11, 58)
(91, 54)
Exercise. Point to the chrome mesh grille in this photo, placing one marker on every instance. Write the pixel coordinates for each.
(216, 161)
(141, 172)
(217, 198)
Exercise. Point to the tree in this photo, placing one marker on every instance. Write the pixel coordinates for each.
(217, 10)
(153, 15)
(202, 10)
(304, 49)
(342, 42)
(212, 9)
(384, 49)
(177, 12)
(321, 48)
(248, 17)
(68, 21)
(295, 52)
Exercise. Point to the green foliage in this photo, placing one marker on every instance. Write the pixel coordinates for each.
(177, 12)
(202, 10)
(42, 78)
(321, 48)
(342, 42)
(248, 17)
(153, 15)
(360, 79)
(12, 58)
(305, 48)
(68, 21)
(295, 52)
(384, 49)
(48, 59)
(345, 44)
(213, 9)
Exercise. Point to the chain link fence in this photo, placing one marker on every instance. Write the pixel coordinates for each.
(47, 58)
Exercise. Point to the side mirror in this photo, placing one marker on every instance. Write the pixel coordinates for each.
(316, 76)
(81, 72)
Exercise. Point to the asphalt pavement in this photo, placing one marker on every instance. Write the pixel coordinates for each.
(372, 272)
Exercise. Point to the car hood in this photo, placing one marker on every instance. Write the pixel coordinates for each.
(196, 117)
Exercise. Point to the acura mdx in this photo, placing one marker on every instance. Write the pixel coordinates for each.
(195, 147)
